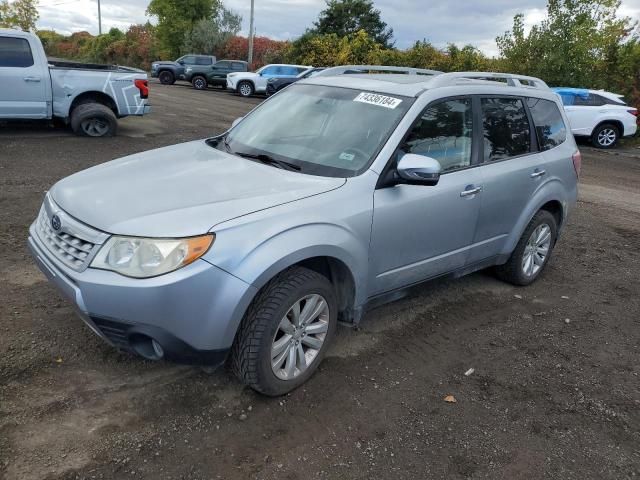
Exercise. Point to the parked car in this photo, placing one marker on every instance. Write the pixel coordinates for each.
(604, 117)
(89, 97)
(203, 76)
(248, 83)
(168, 72)
(276, 84)
(258, 241)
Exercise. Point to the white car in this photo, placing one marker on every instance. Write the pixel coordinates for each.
(602, 116)
(248, 83)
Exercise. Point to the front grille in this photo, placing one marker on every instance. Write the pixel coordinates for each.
(116, 332)
(73, 251)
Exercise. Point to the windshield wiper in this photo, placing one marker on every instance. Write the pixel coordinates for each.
(270, 161)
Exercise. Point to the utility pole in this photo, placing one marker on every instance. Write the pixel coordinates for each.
(250, 59)
(99, 20)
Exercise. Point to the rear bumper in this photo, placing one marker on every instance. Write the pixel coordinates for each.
(192, 313)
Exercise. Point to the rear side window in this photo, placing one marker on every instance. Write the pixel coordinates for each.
(592, 100)
(444, 132)
(237, 66)
(15, 52)
(203, 61)
(506, 128)
(550, 127)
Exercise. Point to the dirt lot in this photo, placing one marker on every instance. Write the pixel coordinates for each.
(555, 392)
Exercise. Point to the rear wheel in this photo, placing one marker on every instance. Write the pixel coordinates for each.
(199, 83)
(167, 78)
(532, 252)
(245, 89)
(605, 136)
(286, 332)
(93, 120)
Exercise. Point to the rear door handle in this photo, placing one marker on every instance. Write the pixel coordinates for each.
(470, 190)
(31, 79)
(538, 173)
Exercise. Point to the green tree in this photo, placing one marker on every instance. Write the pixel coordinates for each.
(20, 13)
(348, 17)
(571, 46)
(176, 18)
(210, 35)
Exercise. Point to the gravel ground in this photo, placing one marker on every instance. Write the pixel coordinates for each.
(555, 391)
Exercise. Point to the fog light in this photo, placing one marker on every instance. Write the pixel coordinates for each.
(157, 348)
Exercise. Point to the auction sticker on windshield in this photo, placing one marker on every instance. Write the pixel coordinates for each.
(377, 99)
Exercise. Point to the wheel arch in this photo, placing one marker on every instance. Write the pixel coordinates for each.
(94, 97)
(245, 80)
(616, 123)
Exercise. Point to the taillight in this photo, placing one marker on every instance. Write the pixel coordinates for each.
(143, 86)
(633, 112)
(577, 162)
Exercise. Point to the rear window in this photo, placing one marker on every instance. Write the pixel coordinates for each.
(506, 128)
(15, 52)
(550, 128)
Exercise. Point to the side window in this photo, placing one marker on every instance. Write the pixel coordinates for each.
(269, 71)
(15, 52)
(550, 127)
(237, 66)
(222, 64)
(444, 132)
(592, 100)
(203, 61)
(506, 129)
(189, 60)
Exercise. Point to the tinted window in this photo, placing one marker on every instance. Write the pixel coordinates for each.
(444, 132)
(189, 59)
(203, 61)
(505, 128)
(268, 71)
(592, 100)
(550, 127)
(15, 52)
(237, 66)
(222, 64)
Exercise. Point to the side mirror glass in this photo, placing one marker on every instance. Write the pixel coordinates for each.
(236, 121)
(418, 169)
(181, 62)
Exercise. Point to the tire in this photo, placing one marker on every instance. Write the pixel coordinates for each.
(199, 82)
(245, 89)
(515, 270)
(605, 136)
(252, 358)
(93, 120)
(166, 77)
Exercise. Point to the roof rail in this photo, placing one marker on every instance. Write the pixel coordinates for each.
(512, 80)
(347, 69)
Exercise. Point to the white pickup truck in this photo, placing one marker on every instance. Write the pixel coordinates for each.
(89, 97)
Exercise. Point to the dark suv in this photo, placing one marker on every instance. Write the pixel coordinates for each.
(202, 76)
(168, 72)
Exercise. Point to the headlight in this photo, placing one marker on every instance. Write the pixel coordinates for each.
(150, 257)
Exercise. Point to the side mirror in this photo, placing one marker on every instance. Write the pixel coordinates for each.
(236, 121)
(181, 62)
(418, 169)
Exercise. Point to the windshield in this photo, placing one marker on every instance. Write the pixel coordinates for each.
(327, 131)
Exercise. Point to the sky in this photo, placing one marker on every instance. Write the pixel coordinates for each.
(460, 21)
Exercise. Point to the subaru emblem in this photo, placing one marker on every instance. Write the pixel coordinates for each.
(56, 223)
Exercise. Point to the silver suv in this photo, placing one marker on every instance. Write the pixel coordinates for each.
(333, 195)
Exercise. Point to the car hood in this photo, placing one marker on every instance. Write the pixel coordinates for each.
(179, 191)
(167, 62)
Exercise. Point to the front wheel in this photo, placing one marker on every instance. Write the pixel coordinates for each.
(245, 89)
(532, 252)
(199, 83)
(285, 332)
(605, 136)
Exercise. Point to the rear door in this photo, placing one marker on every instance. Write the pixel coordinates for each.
(583, 112)
(23, 81)
(512, 168)
(219, 72)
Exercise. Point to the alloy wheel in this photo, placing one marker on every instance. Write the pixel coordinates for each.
(94, 127)
(607, 137)
(537, 250)
(299, 337)
(245, 89)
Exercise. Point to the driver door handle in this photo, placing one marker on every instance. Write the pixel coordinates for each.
(31, 79)
(471, 191)
(538, 173)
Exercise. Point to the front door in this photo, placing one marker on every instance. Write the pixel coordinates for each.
(23, 92)
(420, 232)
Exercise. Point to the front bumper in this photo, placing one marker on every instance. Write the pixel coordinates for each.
(192, 313)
